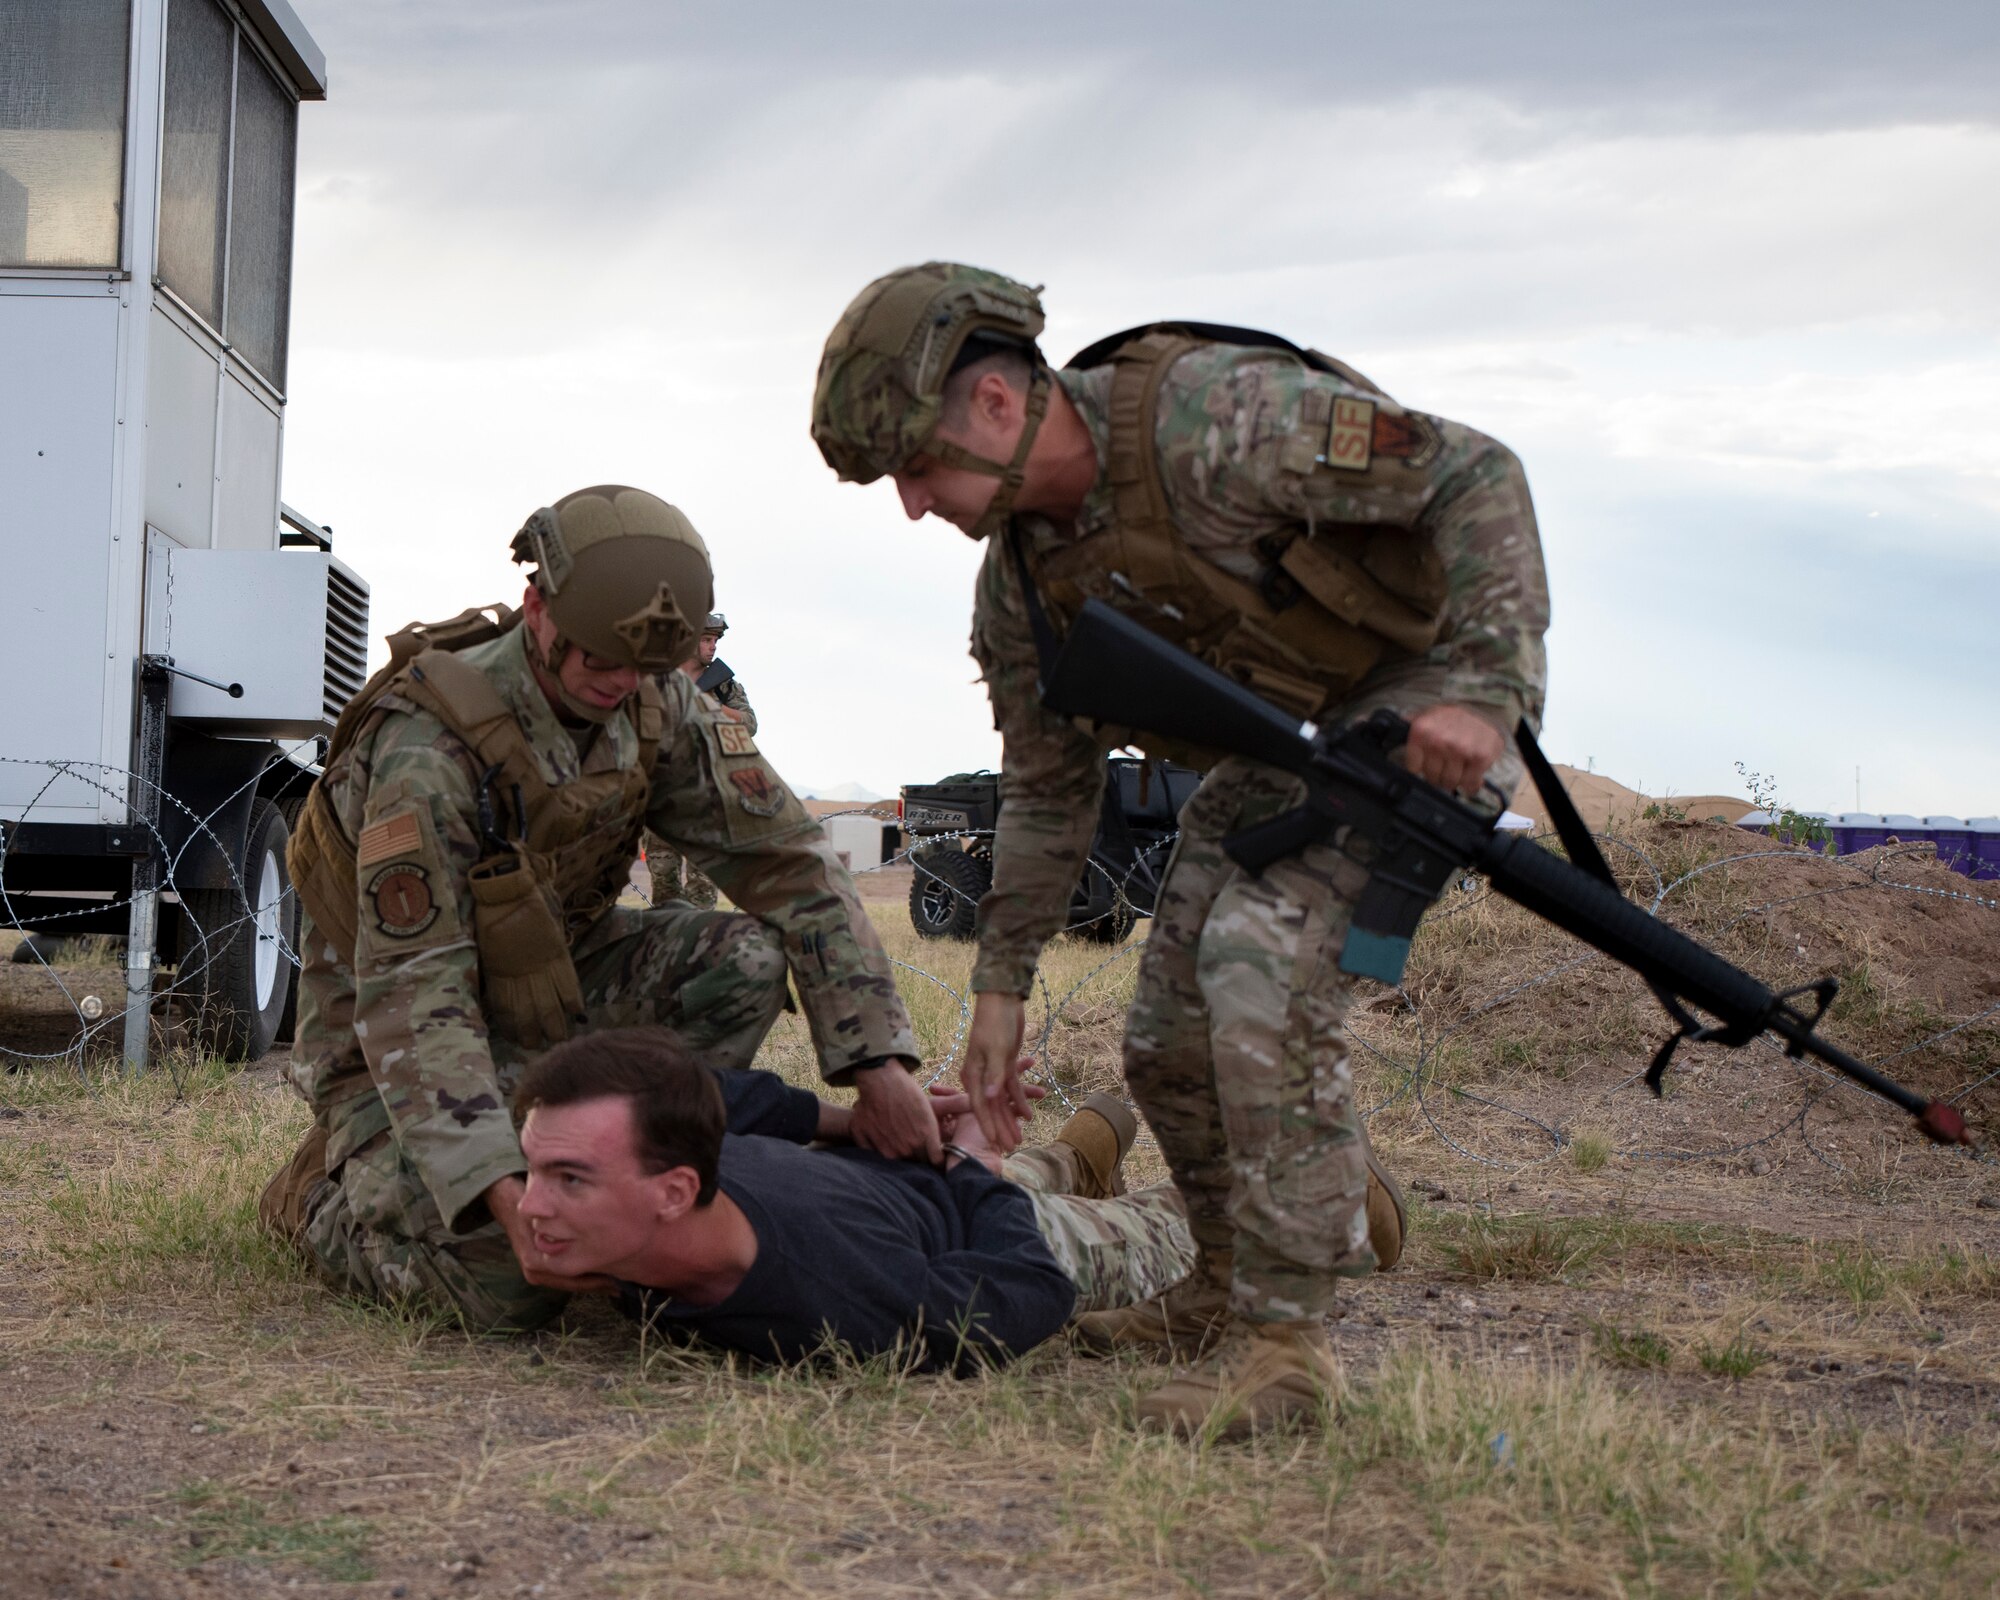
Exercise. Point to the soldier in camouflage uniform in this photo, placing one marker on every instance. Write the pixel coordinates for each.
(457, 864)
(1271, 510)
(716, 677)
(673, 876)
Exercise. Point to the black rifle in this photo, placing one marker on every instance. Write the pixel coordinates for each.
(1112, 670)
(714, 676)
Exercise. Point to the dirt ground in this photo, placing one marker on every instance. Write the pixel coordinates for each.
(1737, 1341)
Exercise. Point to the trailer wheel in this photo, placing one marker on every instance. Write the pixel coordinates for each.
(289, 808)
(236, 946)
(946, 890)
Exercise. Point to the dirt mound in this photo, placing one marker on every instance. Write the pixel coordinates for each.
(1521, 1037)
(1606, 804)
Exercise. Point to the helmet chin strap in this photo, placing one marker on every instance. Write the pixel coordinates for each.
(552, 660)
(1012, 474)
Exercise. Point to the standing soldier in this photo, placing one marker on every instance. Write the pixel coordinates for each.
(458, 863)
(672, 876)
(715, 677)
(1274, 512)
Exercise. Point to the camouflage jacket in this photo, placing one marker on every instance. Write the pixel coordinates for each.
(400, 1040)
(1226, 415)
(731, 695)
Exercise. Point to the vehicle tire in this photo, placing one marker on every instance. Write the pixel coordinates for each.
(1098, 909)
(235, 945)
(945, 891)
(289, 808)
(1112, 926)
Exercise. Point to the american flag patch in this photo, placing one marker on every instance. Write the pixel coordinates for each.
(392, 836)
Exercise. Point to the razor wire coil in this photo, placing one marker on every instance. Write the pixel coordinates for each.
(1412, 1074)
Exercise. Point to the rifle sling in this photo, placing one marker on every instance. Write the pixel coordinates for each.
(1046, 642)
(1583, 852)
(1570, 827)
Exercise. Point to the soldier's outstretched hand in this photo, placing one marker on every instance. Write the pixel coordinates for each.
(893, 1115)
(991, 1070)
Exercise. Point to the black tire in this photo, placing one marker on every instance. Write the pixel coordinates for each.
(1098, 910)
(289, 808)
(236, 943)
(1111, 927)
(1106, 917)
(945, 892)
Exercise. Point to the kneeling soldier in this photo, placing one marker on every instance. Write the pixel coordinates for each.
(458, 863)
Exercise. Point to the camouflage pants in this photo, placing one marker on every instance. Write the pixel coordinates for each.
(716, 978)
(1235, 1052)
(1235, 1047)
(1117, 1252)
(677, 878)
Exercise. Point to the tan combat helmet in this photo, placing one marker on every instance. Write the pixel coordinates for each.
(624, 575)
(881, 377)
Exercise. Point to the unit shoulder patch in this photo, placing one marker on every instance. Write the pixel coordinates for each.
(758, 790)
(402, 900)
(733, 739)
(406, 892)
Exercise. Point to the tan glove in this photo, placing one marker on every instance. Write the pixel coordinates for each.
(526, 976)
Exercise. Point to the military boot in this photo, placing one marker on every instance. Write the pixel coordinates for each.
(1178, 1325)
(1099, 1134)
(1388, 1217)
(1262, 1374)
(286, 1203)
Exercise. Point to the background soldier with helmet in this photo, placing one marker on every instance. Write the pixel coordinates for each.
(1274, 512)
(714, 676)
(457, 864)
(672, 876)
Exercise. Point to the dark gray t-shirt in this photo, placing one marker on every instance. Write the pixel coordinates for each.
(874, 1255)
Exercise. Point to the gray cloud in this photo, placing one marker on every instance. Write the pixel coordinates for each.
(1807, 63)
(1720, 272)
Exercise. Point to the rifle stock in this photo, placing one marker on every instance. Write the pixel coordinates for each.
(1117, 672)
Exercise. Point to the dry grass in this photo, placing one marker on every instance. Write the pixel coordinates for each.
(1661, 1385)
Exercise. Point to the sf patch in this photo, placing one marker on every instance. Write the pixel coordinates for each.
(402, 900)
(733, 739)
(1360, 431)
(1350, 437)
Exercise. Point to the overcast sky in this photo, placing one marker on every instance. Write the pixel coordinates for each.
(1723, 275)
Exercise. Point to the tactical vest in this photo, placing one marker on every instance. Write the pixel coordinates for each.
(574, 842)
(1334, 599)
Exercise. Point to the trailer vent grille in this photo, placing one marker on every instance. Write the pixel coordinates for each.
(346, 638)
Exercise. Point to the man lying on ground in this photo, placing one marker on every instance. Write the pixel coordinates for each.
(758, 1244)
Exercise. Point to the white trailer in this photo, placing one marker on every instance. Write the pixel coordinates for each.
(175, 642)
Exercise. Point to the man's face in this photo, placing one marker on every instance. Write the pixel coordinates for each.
(591, 679)
(590, 1204)
(709, 642)
(929, 488)
(994, 417)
